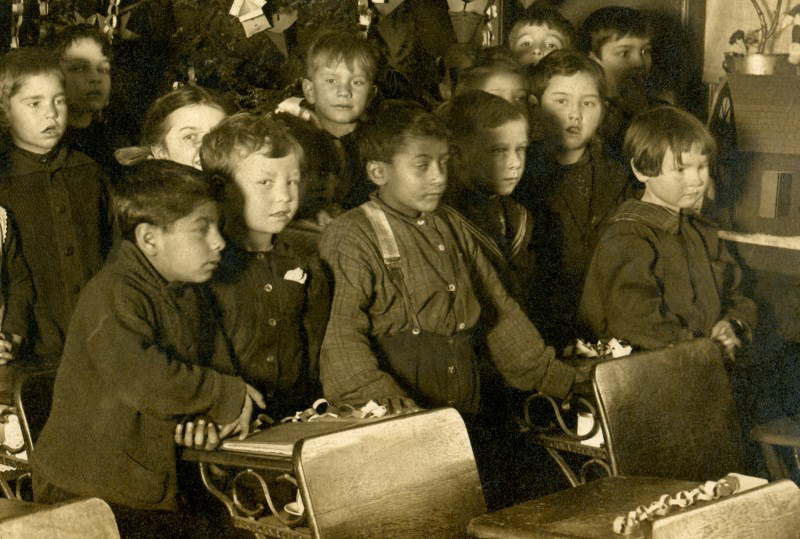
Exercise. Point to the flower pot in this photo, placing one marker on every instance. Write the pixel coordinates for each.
(758, 64)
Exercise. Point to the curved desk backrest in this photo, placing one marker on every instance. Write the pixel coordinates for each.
(670, 413)
(410, 476)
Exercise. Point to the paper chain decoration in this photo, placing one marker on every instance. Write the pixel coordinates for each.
(710, 490)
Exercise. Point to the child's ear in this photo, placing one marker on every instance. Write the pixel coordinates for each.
(308, 91)
(147, 236)
(639, 175)
(376, 172)
(532, 101)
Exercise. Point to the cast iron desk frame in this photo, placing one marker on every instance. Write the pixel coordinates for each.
(263, 520)
(556, 437)
(11, 378)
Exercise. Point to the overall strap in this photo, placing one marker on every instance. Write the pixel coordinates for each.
(391, 255)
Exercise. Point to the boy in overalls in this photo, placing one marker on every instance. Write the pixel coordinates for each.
(411, 286)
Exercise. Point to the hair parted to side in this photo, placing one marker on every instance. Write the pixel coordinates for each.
(488, 64)
(16, 66)
(394, 122)
(663, 128)
(155, 126)
(159, 192)
(565, 63)
(241, 135)
(331, 47)
(613, 22)
(551, 18)
(472, 112)
(68, 35)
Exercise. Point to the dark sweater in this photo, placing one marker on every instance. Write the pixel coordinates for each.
(61, 206)
(504, 231)
(141, 353)
(275, 323)
(570, 204)
(659, 277)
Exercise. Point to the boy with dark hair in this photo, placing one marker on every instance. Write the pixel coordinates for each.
(570, 185)
(660, 274)
(413, 290)
(274, 301)
(57, 196)
(619, 39)
(340, 70)
(411, 284)
(142, 352)
(539, 32)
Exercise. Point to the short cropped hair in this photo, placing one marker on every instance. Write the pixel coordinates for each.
(18, 65)
(610, 23)
(159, 192)
(239, 136)
(155, 128)
(470, 113)
(565, 62)
(74, 32)
(663, 128)
(393, 123)
(551, 18)
(332, 46)
(475, 77)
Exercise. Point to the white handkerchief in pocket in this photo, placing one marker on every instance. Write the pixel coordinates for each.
(297, 275)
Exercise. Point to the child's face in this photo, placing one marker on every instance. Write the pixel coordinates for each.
(87, 76)
(622, 58)
(269, 188)
(339, 96)
(415, 180)
(510, 87)
(571, 111)
(535, 41)
(678, 185)
(496, 159)
(37, 113)
(186, 128)
(188, 250)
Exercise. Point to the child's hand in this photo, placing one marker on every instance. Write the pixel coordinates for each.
(723, 333)
(9, 347)
(399, 405)
(242, 423)
(197, 434)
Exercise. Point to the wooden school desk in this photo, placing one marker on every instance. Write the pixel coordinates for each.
(411, 475)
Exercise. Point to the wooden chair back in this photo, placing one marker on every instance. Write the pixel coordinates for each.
(33, 398)
(770, 511)
(669, 413)
(410, 476)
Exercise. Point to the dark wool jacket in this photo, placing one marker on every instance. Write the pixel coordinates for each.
(141, 354)
(61, 207)
(659, 277)
(275, 309)
(568, 220)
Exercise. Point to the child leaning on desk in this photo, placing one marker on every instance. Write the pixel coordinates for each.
(142, 351)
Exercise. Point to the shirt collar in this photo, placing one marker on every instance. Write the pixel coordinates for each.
(400, 215)
(24, 162)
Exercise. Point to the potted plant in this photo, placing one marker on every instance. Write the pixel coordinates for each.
(755, 56)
